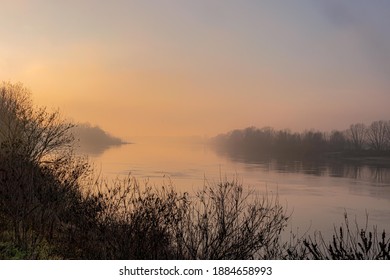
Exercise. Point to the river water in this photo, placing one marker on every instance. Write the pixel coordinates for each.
(316, 194)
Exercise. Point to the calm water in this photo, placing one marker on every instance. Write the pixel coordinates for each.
(317, 194)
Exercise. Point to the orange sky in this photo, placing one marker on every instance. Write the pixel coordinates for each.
(201, 67)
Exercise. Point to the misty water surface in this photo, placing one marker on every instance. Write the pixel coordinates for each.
(316, 193)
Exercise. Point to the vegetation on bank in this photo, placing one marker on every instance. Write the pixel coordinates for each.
(93, 139)
(358, 141)
(52, 207)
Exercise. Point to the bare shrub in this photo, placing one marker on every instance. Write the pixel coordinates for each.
(350, 244)
(133, 222)
(224, 223)
(143, 222)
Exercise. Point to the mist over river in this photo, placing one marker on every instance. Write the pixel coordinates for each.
(316, 194)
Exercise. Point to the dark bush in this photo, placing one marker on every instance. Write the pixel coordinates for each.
(349, 244)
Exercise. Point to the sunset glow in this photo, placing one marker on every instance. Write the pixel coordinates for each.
(181, 68)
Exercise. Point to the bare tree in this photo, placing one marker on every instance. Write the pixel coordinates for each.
(377, 135)
(32, 133)
(357, 133)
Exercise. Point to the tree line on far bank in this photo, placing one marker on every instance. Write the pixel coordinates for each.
(358, 140)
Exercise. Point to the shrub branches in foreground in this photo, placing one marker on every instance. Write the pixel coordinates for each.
(224, 222)
(349, 244)
(220, 222)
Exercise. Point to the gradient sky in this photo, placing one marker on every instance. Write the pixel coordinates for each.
(201, 67)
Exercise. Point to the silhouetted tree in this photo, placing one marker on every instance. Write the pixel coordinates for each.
(377, 134)
(29, 132)
(358, 135)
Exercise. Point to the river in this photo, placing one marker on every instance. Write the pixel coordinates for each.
(316, 194)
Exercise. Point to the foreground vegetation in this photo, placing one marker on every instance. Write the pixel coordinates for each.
(52, 207)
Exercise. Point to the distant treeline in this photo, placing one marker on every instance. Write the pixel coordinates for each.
(358, 139)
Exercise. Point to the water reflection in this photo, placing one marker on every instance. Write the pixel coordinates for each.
(316, 191)
(375, 174)
(92, 150)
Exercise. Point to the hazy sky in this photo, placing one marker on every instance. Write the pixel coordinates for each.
(201, 67)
